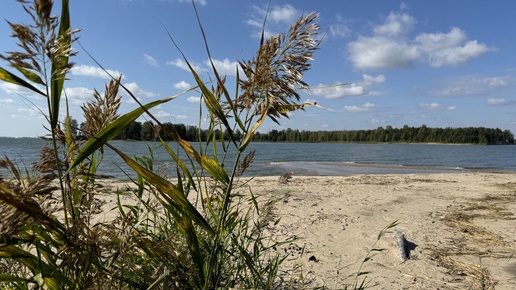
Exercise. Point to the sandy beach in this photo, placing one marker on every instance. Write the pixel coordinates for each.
(459, 229)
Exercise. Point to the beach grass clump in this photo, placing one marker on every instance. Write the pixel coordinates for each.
(204, 230)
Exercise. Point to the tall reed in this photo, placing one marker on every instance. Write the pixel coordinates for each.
(205, 230)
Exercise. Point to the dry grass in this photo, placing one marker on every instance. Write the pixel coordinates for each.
(474, 241)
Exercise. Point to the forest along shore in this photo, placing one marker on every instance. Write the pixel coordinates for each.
(148, 131)
(459, 228)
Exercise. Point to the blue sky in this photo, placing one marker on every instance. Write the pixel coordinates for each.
(442, 64)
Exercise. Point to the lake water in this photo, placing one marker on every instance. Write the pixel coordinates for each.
(274, 159)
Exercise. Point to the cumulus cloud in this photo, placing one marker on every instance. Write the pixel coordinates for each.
(225, 66)
(182, 85)
(162, 114)
(396, 25)
(451, 48)
(11, 88)
(497, 101)
(278, 18)
(339, 91)
(92, 71)
(354, 89)
(431, 106)
(381, 53)
(366, 107)
(193, 99)
(471, 85)
(78, 94)
(371, 80)
(6, 101)
(137, 91)
(390, 47)
(150, 60)
(26, 112)
(339, 28)
(180, 63)
(200, 2)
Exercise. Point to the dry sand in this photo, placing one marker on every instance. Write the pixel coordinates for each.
(460, 229)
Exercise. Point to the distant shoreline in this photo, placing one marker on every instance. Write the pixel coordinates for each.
(305, 142)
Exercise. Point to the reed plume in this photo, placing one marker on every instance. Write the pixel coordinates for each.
(102, 111)
(40, 46)
(275, 74)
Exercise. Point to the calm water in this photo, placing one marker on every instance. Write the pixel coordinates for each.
(274, 159)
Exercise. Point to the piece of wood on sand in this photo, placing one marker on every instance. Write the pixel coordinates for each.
(401, 245)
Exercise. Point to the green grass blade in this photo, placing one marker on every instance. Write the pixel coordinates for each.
(113, 130)
(178, 161)
(11, 278)
(168, 190)
(33, 77)
(12, 78)
(59, 64)
(195, 250)
(210, 165)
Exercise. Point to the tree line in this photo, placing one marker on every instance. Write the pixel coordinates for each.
(148, 131)
(423, 134)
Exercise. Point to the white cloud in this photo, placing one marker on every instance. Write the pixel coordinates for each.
(396, 25)
(471, 85)
(225, 66)
(286, 14)
(451, 48)
(339, 29)
(278, 19)
(354, 89)
(137, 91)
(370, 80)
(200, 2)
(162, 114)
(26, 112)
(451, 108)
(180, 63)
(6, 101)
(366, 107)
(92, 71)
(182, 85)
(431, 106)
(11, 88)
(131, 100)
(390, 47)
(193, 99)
(381, 53)
(497, 101)
(150, 60)
(79, 94)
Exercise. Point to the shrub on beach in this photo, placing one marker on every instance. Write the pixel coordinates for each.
(204, 230)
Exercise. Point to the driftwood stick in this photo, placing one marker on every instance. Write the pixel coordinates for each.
(401, 245)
